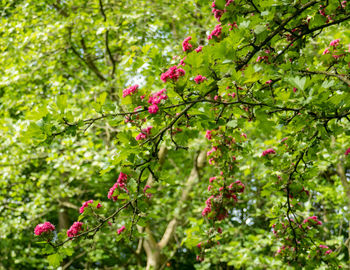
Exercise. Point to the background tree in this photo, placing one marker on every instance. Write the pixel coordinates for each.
(264, 95)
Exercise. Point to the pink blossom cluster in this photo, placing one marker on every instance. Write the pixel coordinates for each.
(155, 99)
(216, 203)
(333, 48)
(86, 204)
(232, 25)
(233, 94)
(326, 247)
(218, 12)
(121, 229)
(148, 195)
(44, 228)
(208, 134)
(145, 132)
(322, 11)
(208, 206)
(312, 220)
(326, 51)
(347, 152)
(237, 186)
(212, 150)
(303, 230)
(199, 79)
(264, 58)
(182, 61)
(186, 45)
(199, 49)
(268, 152)
(173, 73)
(131, 90)
(211, 179)
(121, 183)
(216, 32)
(334, 43)
(75, 229)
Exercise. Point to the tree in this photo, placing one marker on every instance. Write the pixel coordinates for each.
(234, 153)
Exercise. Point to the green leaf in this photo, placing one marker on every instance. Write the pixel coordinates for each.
(298, 82)
(220, 4)
(61, 102)
(54, 260)
(102, 98)
(232, 123)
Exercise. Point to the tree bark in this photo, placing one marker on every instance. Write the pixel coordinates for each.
(153, 250)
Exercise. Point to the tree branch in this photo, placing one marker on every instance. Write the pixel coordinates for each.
(329, 74)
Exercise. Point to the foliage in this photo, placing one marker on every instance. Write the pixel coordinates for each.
(203, 141)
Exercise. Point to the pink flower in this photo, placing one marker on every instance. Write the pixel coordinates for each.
(228, 2)
(44, 228)
(313, 220)
(295, 89)
(244, 135)
(131, 90)
(233, 25)
(214, 148)
(149, 195)
(334, 43)
(121, 183)
(137, 108)
(153, 109)
(232, 94)
(264, 58)
(323, 246)
(206, 211)
(145, 132)
(122, 228)
(182, 63)
(216, 32)
(75, 229)
(141, 136)
(217, 13)
(186, 46)
(268, 151)
(268, 82)
(199, 258)
(208, 134)
(173, 73)
(99, 205)
(199, 245)
(85, 204)
(211, 179)
(209, 187)
(199, 49)
(157, 97)
(337, 56)
(328, 252)
(347, 152)
(240, 185)
(326, 51)
(199, 78)
(146, 187)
